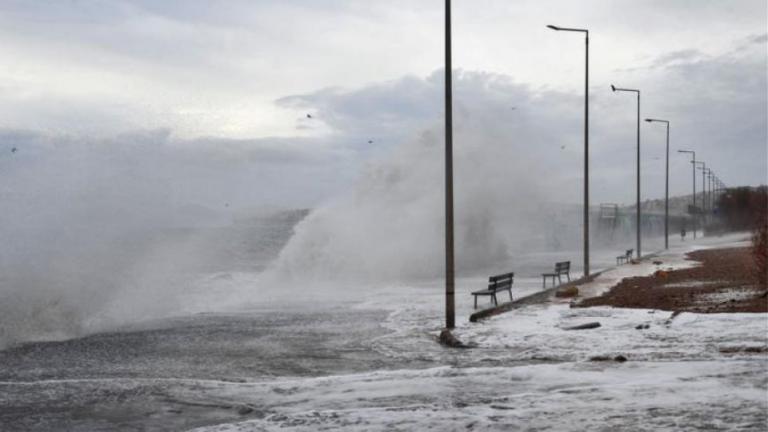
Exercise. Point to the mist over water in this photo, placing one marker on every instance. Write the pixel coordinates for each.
(98, 234)
(103, 233)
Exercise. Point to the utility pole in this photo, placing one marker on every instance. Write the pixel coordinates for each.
(450, 276)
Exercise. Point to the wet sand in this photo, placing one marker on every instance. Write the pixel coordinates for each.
(724, 282)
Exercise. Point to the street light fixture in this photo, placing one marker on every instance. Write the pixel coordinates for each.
(666, 188)
(693, 171)
(615, 89)
(586, 140)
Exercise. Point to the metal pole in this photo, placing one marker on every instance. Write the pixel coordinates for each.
(450, 319)
(693, 174)
(666, 199)
(586, 140)
(703, 212)
(695, 216)
(666, 185)
(639, 253)
(615, 89)
(703, 197)
(586, 157)
(706, 192)
(711, 192)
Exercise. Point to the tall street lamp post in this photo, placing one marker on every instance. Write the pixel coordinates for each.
(666, 187)
(710, 174)
(615, 89)
(701, 166)
(711, 178)
(586, 140)
(693, 171)
(450, 319)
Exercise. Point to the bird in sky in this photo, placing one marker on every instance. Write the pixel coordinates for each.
(309, 115)
(14, 150)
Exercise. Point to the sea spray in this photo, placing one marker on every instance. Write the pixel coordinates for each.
(390, 227)
(98, 234)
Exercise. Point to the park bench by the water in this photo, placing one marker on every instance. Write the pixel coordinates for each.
(497, 283)
(625, 258)
(561, 268)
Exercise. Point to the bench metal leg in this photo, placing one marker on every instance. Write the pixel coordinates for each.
(495, 301)
(568, 275)
(510, 295)
(475, 302)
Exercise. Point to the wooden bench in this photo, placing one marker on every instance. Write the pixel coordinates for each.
(627, 257)
(561, 268)
(497, 283)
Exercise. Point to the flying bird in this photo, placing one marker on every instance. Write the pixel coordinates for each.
(370, 141)
(14, 150)
(309, 115)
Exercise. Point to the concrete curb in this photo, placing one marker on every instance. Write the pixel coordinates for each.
(536, 298)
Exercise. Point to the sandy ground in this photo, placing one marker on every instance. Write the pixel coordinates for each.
(724, 281)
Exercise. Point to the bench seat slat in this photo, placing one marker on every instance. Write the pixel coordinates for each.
(489, 291)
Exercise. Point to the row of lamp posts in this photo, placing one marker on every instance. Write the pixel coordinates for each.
(449, 244)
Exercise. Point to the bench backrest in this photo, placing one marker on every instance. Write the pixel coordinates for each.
(563, 267)
(502, 281)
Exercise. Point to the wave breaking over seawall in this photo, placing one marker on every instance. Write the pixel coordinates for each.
(390, 226)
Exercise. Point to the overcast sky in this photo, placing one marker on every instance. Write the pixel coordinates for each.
(224, 87)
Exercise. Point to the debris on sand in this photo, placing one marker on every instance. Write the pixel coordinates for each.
(244, 409)
(725, 274)
(602, 358)
(744, 349)
(567, 292)
(586, 326)
(668, 322)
